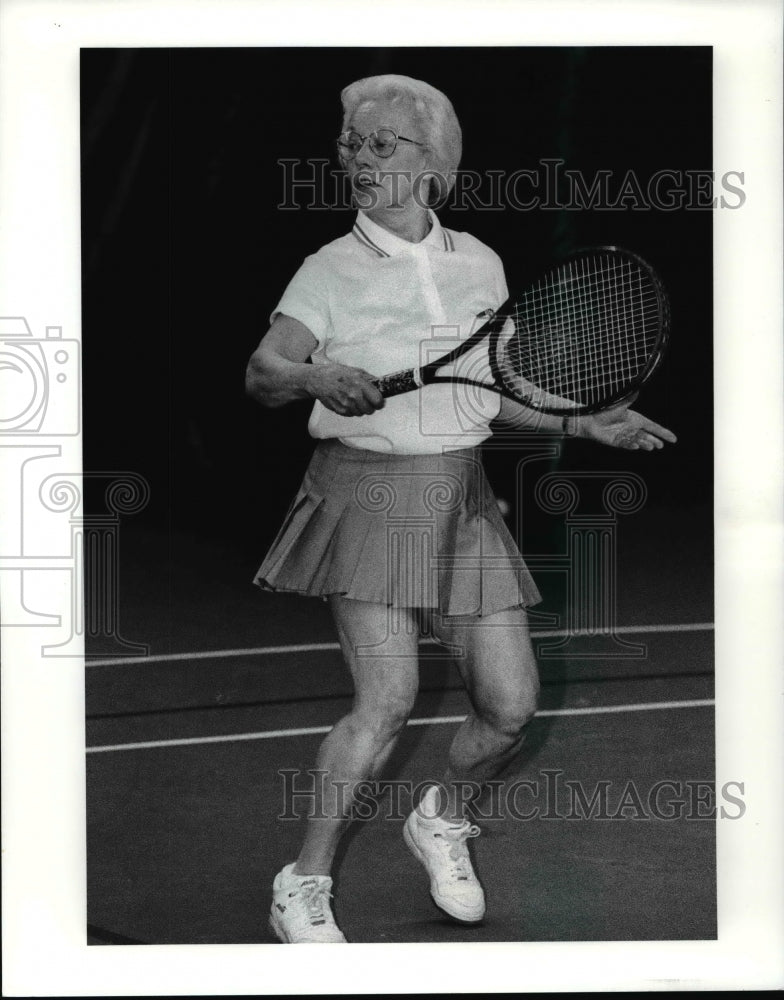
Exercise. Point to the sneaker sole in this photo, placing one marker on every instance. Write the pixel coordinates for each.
(283, 937)
(412, 846)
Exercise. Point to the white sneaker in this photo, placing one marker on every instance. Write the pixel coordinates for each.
(441, 847)
(300, 912)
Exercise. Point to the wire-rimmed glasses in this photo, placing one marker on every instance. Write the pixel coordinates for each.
(383, 142)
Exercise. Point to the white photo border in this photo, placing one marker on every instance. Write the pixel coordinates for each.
(45, 952)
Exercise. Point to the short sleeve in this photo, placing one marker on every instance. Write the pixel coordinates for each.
(306, 298)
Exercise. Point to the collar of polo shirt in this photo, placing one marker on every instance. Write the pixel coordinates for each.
(386, 244)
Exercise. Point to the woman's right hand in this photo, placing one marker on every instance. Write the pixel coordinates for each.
(344, 390)
(280, 372)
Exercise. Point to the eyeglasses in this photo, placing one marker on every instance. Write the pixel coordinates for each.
(383, 143)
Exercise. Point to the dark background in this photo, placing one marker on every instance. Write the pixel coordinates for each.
(185, 252)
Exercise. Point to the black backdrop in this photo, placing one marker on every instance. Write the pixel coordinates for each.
(185, 251)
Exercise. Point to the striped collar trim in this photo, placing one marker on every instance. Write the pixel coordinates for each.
(365, 240)
(385, 244)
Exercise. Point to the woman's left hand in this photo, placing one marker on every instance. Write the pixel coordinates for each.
(620, 427)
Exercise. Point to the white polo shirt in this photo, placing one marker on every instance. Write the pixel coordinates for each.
(378, 302)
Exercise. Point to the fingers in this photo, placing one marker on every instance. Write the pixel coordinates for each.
(641, 439)
(647, 433)
(648, 442)
(364, 397)
(349, 391)
(661, 433)
(371, 391)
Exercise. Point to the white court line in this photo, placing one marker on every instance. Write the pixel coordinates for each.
(438, 720)
(316, 647)
(212, 654)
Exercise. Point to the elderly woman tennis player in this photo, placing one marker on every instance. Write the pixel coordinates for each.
(395, 524)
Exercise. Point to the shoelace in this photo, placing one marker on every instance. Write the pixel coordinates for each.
(316, 897)
(458, 851)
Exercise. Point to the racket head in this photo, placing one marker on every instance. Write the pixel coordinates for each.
(585, 336)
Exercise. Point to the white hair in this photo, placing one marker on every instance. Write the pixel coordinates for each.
(433, 112)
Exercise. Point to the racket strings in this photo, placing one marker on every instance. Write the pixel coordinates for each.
(587, 331)
(583, 333)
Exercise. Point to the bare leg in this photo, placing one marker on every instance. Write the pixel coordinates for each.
(499, 670)
(385, 671)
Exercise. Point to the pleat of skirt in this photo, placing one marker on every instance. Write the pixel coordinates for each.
(402, 530)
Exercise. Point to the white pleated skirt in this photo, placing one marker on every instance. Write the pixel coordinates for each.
(401, 530)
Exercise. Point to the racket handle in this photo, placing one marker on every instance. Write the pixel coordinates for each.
(399, 382)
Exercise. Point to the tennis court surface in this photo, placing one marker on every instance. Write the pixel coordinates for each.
(609, 834)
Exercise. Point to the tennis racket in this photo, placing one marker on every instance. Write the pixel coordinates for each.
(583, 337)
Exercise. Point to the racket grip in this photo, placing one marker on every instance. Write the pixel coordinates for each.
(399, 382)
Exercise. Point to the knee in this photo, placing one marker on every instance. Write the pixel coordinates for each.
(381, 723)
(511, 715)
